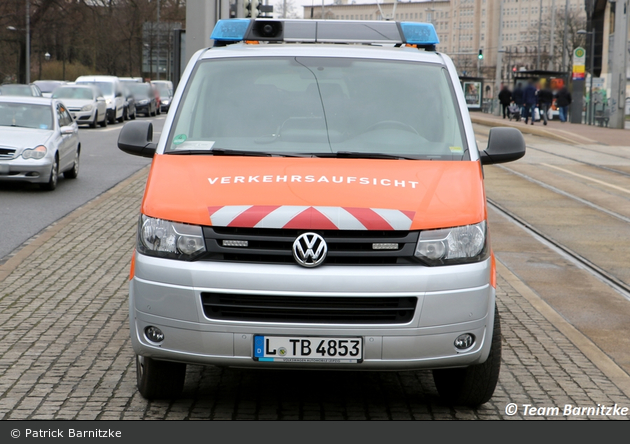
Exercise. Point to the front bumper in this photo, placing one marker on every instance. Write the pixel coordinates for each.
(22, 170)
(143, 109)
(84, 117)
(450, 301)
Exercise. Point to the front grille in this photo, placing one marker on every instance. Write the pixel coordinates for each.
(307, 309)
(274, 246)
(7, 153)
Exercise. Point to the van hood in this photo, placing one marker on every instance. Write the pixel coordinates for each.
(315, 193)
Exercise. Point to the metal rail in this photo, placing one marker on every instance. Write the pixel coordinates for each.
(620, 286)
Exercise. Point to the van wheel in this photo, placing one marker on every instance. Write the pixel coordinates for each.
(159, 379)
(472, 385)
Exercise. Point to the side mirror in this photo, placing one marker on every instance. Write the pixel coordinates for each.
(137, 138)
(67, 130)
(504, 145)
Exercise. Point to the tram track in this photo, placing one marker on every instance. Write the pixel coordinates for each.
(579, 260)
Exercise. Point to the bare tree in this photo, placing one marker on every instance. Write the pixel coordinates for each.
(575, 20)
(98, 36)
(285, 9)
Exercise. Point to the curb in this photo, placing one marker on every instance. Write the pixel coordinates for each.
(47, 233)
(526, 129)
(590, 350)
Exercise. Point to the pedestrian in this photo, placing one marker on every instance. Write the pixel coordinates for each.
(505, 98)
(563, 100)
(529, 101)
(545, 99)
(517, 96)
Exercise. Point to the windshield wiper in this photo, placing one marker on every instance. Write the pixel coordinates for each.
(362, 155)
(229, 152)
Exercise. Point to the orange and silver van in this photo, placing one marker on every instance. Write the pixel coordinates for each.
(317, 206)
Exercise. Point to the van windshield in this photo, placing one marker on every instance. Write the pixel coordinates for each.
(106, 87)
(319, 106)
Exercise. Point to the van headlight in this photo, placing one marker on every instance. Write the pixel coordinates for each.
(162, 238)
(453, 245)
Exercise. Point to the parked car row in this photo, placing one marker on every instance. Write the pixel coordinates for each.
(39, 122)
(99, 100)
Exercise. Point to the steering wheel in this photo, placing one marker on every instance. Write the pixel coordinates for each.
(393, 124)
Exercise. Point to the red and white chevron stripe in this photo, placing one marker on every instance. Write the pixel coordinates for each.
(310, 218)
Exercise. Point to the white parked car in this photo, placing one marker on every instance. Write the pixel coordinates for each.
(85, 103)
(113, 92)
(47, 87)
(39, 139)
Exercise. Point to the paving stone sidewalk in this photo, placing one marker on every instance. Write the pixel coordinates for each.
(65, 351)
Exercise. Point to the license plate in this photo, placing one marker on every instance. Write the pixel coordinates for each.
(332, 350)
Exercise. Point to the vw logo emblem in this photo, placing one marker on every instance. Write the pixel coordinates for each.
(309, 250)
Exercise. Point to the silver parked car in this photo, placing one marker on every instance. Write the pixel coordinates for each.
(18, 89)
(47, 87)
(85, 103)
(38, 140)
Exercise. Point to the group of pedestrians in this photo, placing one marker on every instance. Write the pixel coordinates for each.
(535, 96)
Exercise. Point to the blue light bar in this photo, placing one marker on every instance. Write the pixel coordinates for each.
(230, 30)
(419, 33)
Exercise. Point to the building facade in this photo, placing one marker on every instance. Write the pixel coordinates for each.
(530, 39)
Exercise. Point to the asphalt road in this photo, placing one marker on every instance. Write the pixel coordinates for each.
(25, 210)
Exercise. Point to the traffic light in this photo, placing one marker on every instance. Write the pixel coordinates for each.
(480, 55)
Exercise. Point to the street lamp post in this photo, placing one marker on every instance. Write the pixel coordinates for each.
(28, 42)
(591, 68)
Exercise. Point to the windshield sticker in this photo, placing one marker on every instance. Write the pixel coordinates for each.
(456, 149)
(43, 126)
(198, 145)
(180, 138)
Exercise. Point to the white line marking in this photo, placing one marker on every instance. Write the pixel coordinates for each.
(601, 182)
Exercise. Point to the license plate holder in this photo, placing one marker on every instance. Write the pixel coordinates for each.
(308, 349)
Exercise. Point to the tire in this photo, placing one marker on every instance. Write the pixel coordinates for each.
(474, 385)
(73, 172)
(112, 118)
(53, 178)
(159, 379)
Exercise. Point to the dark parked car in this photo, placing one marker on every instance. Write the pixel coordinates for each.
(146, 102)
(129, 112)
(165, 88)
